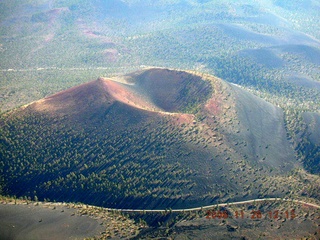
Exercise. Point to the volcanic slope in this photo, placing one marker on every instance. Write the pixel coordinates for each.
(157, 138)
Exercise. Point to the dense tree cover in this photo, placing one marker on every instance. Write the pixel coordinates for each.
(84, 164)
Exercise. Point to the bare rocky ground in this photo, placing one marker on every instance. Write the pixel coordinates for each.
(20, 219)
(44, 222)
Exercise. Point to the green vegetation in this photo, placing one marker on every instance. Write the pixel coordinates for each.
(66, 162)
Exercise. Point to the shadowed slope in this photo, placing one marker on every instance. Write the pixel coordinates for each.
(173, 91)
(263, 130)
(309, 144)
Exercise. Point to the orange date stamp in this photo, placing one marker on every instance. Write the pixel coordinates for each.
(254, 214)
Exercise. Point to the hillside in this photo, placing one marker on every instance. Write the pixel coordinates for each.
(157, 138)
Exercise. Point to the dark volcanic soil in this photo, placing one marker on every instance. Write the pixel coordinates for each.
(37, 222)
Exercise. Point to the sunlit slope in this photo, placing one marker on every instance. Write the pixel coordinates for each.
(152, 139)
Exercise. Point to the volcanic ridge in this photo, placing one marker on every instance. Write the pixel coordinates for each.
(155, 138)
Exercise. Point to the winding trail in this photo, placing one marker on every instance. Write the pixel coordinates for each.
(218, 205)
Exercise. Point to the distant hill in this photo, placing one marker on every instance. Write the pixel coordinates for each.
(271, 46)
(157, 138)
